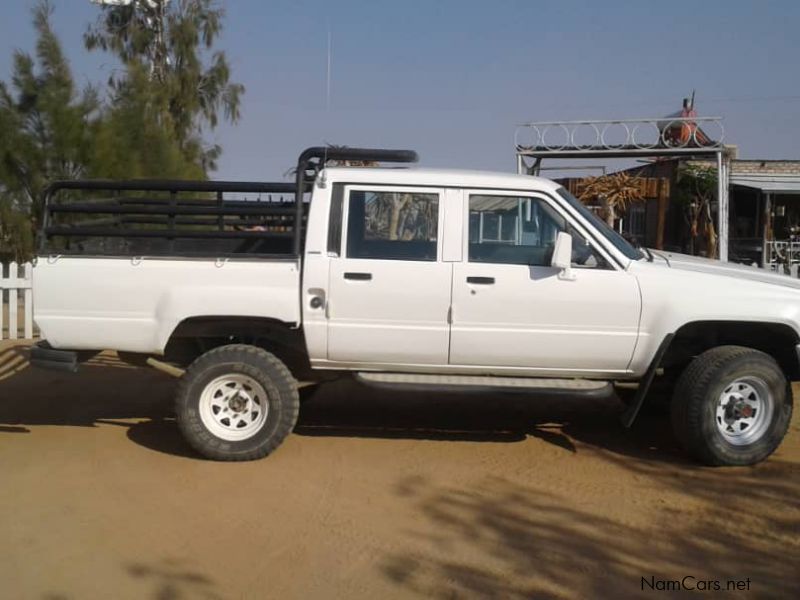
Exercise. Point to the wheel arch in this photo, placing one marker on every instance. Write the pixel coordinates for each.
(778, 340)
(196, 335)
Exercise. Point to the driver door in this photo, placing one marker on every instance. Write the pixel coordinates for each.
(511, 309)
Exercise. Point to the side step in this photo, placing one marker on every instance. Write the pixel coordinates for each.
(486, 383)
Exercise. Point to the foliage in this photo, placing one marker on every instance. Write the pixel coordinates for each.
(616, 191)
(16, 234)
(43, 119)
(45, 130)
(173, 42)
(149, 125)
(130, 141)
(696, 190)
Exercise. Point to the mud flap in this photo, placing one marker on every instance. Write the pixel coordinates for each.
(629, 416)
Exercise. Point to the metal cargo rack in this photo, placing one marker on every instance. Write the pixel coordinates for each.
(190, 218)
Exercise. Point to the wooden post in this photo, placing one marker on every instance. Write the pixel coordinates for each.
(767, 229)
(663, 199)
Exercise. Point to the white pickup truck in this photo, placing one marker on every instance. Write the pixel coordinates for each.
(406, 277)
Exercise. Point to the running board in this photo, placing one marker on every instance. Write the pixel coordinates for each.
(482, 383)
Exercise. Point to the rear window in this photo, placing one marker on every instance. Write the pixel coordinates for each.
(392, 225)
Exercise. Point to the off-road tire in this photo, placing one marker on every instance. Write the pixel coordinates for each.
(261, 366)
(697, 394)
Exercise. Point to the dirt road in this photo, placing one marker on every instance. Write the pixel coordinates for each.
(376, 495)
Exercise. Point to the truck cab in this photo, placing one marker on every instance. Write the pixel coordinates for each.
(451, 271)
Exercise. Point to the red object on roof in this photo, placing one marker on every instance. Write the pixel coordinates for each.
(684, 132)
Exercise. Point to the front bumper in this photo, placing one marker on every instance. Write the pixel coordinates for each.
(45, 357)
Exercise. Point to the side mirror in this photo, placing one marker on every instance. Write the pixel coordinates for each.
(562, 256)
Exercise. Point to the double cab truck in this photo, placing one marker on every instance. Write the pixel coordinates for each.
(412, 278)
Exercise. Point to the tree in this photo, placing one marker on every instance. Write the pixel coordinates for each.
(51, 130)
(131, 142)
(697, 188)
(616, 192)
(45, 128)
(173, 42)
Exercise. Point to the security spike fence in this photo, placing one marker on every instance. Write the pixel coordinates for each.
(680, 135)
(16, 301)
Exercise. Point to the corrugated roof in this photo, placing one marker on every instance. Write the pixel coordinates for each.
(785, 184)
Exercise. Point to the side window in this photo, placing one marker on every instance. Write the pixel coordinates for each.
(392, 225)
(521, 231)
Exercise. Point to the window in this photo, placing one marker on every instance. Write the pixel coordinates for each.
(335, 220)
(521, 231)
(601, 226)
(392, 225)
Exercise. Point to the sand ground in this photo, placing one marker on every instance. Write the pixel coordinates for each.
(375, 495)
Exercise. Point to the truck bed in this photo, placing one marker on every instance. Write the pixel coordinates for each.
(122, 263)
(134, 304)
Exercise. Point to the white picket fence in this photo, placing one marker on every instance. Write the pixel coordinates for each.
(16, 295)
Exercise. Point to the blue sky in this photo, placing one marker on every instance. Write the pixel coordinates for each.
(452, 78)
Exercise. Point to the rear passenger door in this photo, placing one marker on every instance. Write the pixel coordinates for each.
(389, 290)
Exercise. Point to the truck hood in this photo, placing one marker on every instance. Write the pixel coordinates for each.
(686, 262)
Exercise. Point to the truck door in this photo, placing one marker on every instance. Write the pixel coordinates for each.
(511, 308)
(389, 289)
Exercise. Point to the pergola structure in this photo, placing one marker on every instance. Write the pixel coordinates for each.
(665, 137)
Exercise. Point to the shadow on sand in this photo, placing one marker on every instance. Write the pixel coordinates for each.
(347, 409)
(109, 391)
(170, 580)
(527, 543)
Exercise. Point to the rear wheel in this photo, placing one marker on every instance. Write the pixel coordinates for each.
(237, 402)
(732, 406)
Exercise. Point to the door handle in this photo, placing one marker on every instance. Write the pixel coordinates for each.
(358, 276)
(481, 280)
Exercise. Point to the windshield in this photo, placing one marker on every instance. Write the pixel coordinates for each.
(619, 242)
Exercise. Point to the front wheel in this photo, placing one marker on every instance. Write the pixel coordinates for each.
(732, 406)
(236, 402)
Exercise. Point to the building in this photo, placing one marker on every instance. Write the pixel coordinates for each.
(764, 210)
(750, 208)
